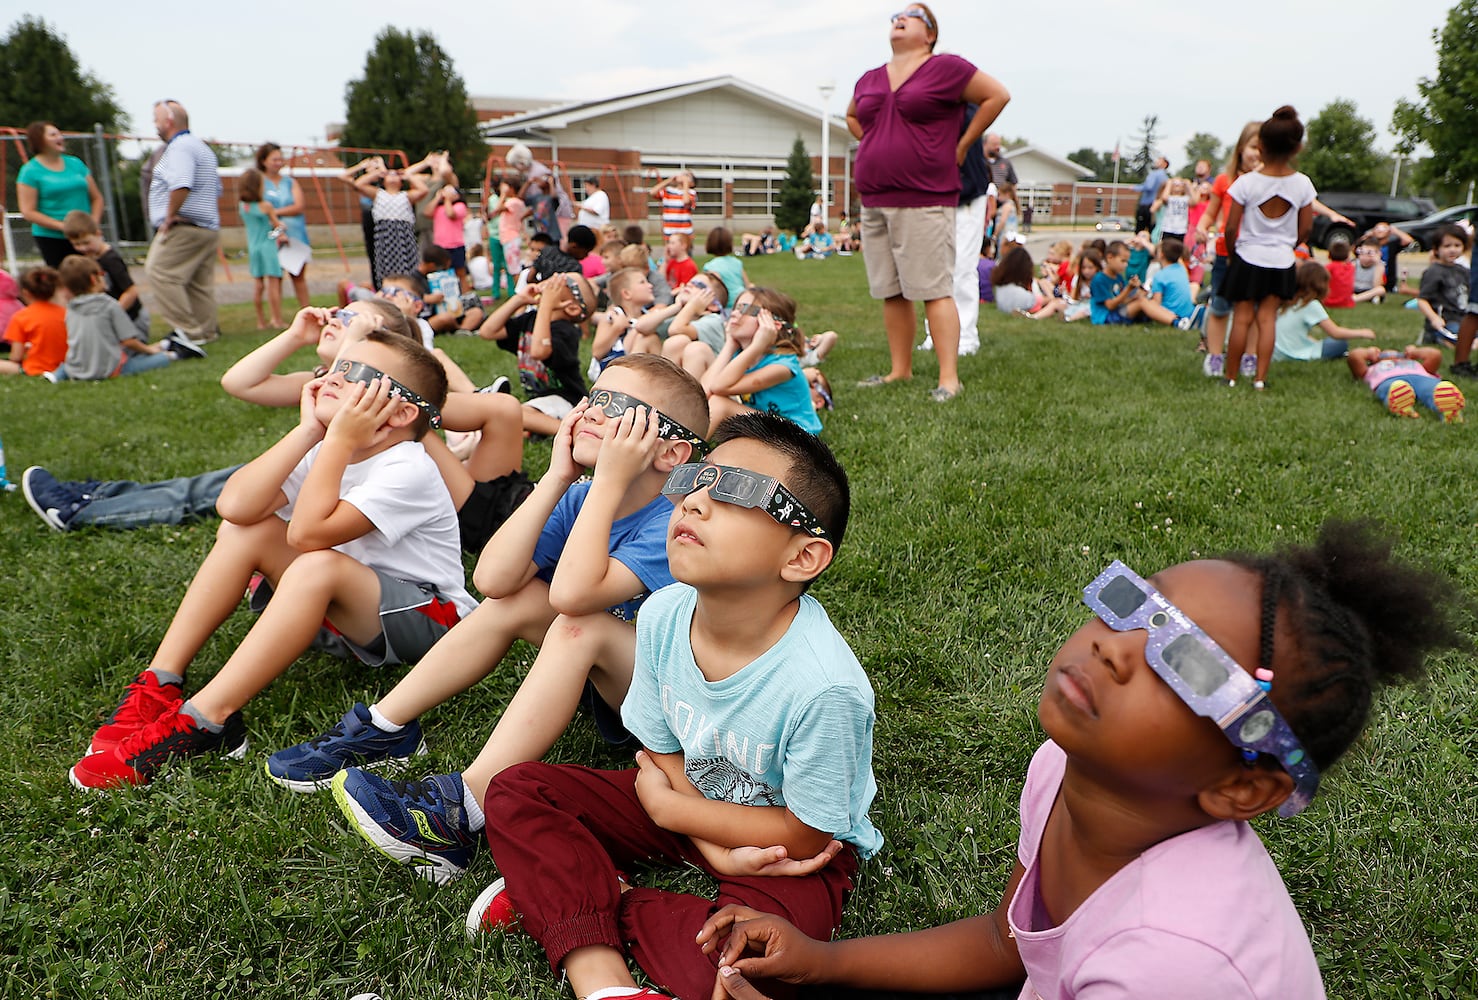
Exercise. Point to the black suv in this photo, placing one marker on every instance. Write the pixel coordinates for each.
(1365, 210)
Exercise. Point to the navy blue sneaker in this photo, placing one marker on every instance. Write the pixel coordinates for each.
(418, 823)
(354, 741)
(54, 500)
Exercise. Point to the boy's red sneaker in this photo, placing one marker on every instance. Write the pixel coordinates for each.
(492, 910)
(138, 758)
(145, 700)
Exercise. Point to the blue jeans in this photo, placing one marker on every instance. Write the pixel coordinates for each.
(122, 504)
(1425, 387)
(138, 363)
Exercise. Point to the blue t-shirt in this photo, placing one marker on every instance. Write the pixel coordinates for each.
(1105, 286)
(791, 398)
(791, 728)
(57, 191)
(280, 194)
(638, 542)
(1174, 288)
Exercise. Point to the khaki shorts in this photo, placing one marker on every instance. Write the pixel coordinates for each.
(909, 252)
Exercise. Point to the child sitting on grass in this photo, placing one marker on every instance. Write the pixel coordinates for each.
(1114, 299)
(546, 341)
(83, 232)
(1170, 726)
(1341, 270)
(1401, 379)
(1368, 279)
(760, 362)
(756, 724)
(346, 518)
(630, 294)
(603, 542)
(37, 333)
(1304, 313)
(101, 342)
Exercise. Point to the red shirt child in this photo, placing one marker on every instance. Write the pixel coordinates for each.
(680, 268)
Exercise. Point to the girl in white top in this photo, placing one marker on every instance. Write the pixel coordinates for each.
(1176, 201)
(1271, 212)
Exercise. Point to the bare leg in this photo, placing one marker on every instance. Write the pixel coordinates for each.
(456, 379)
(258, 288)
(721, 408)
(596, 967)
(944, 327)
(1267, 319)
(1157, 312)
(674, 345)
(274, 299)
(900, 323)
(597, 647)
(470, 651)
(1465, 335)
(320, 584)
(696, 359)
(538, 422)
(1216, 333)
(300, 287)
(500, 418)
(1242, 317)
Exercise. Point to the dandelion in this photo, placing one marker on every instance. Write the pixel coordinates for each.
(1086, 550)
(1169, 521)
(1138, 505)
(970, 830)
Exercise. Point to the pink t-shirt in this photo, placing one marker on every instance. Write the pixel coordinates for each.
(906, 158)
(1203, 914)
(592, 266)
(446, 225)
(510, 220)
(1388, 368)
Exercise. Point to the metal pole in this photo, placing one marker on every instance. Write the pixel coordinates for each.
(826, 92)
(1114, 199)
(1396, 175)
(105, 167)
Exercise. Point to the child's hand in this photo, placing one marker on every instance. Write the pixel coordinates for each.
(777, 948)
(562, 464)
(308, 325)
(769, 862)
(629, 447)
(764, 337)
(364, 413)
(307, 405)
(1134, 282)
(652, 786)
(702, 296)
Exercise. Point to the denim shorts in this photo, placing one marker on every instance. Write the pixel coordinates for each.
(1220, 306)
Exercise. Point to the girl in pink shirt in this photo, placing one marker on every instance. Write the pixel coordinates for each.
(448, 212)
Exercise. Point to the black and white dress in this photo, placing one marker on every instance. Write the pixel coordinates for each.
(396, 250)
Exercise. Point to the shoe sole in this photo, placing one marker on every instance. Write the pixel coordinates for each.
(237, 754)
(36, 504)
(480, 904)
(1450, 402)
(307, 786)
(435, 870)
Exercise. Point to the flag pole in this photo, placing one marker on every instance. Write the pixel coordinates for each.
(1114, 199)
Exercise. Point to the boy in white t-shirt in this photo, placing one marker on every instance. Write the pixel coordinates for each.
(349, 522)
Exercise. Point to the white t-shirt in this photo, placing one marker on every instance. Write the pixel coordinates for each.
(480, 269)
(595, 211)
(471, 230)
(415, 537)
(1265, 241)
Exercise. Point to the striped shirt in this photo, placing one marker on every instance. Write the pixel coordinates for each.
(677, 210)
(187, 163)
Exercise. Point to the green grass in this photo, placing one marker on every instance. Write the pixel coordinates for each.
(974, 526)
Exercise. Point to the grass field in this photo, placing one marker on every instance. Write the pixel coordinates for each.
(975, 525)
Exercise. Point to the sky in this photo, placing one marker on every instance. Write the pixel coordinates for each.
(277, 70)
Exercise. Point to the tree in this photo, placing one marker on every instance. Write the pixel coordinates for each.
(411, 98)
(1339, 150)
(40, 80)
(1201, 146)
(1142, 161)
(797, 191)
(1101, 164)
(1443, 119)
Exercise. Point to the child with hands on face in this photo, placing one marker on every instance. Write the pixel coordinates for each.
(1138, 873)
(760, 362)
(547, 343)
(338, 518)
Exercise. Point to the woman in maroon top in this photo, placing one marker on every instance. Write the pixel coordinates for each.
(909, 118)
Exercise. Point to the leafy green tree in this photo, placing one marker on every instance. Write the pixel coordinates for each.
(411, 98)
(1443, 118)
(1201, 146)
(1142, 160)
(1100, 163)
(1339, 150)
(797, 191)
(40, 80)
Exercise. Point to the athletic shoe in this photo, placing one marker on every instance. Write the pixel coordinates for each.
(137, 760)
(55, 501)
(872, 382)
(417, 823)
(497, 385)
(940, 394)
(1401, 400)
(1249, 364)
(1259, 385)
(627, 993)
(1463, 369)
(1450, 402)
(182, 347)
(354, 741)
(492, 910)
(1212, 364)
(145, 700)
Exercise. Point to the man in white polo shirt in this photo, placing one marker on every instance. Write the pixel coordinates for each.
(184, 209)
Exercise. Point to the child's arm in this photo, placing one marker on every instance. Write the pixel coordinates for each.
(495, 326)
(254, 379)
(1430, 358)
(588, 578)
(254, 491)
(542, 341)
(1333, 329)
(671, 801)
(507, 561)
(1130, 287)
(1360, 359)
(1234, 224)
(1305, 223)
(647, 323)
(612, 325)
(695, 304)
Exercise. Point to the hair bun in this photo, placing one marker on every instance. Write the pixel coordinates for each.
(1286, 112)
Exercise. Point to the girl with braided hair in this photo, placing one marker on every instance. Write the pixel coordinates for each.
(1188, 704)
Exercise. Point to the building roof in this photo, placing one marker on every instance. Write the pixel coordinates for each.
(1065, 164)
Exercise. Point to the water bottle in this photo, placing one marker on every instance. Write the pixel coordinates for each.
(5, 483)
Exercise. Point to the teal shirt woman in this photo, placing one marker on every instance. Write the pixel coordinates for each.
(50, 185)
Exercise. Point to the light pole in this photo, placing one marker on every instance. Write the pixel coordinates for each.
(826, 91)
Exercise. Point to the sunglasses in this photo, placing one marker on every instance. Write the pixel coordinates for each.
(358, 371)
(748, 309)
(573, 284)
(743, 488)
(392, 292)
(1201, 673)
(928, 22)
(613, 404)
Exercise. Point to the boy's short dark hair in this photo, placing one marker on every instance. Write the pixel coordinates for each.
(77, 224)
(1446, 232)
(1115, 248)
(634, 234)
(392, 320)
(674, 390)
(437, 257)
(415, 279)
(1172, 251)
(720, 242)
(1339, 249)
(421, 373)
(1369, 241)
(77, 273)
(542, 239)
(582, 237)
(718, 288)
(814, 475)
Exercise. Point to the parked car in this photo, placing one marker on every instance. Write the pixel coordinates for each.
(1113, 225)
(1424, 231)
(1364, 210)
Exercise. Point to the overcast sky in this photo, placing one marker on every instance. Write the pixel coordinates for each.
(1084, 76)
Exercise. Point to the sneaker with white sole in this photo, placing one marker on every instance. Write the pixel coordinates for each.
(1249, 364)
(417, 823)
(139, 758)
(146, 699)
(55, 501)
(1212, 365)
(492, 910)
(182, 347)
(354, 741)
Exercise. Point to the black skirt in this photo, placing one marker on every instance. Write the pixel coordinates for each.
(1249, 283)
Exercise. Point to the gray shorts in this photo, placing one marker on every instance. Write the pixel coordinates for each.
(909, 252)
(412, 617)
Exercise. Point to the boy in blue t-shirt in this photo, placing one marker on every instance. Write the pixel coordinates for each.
(756, 722)
(588, 550)
(1115, 299)
(1171, 301)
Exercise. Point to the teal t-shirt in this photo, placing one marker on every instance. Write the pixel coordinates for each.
(57, 191)
(791, 398)
(791, 728)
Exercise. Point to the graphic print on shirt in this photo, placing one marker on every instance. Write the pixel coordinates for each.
(733, 768)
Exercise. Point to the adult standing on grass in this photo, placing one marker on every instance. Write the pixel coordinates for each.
(286, 195)
(907, 116)
(185, 211)
(50, 185)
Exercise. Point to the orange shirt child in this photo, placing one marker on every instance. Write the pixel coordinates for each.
(41, 328)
